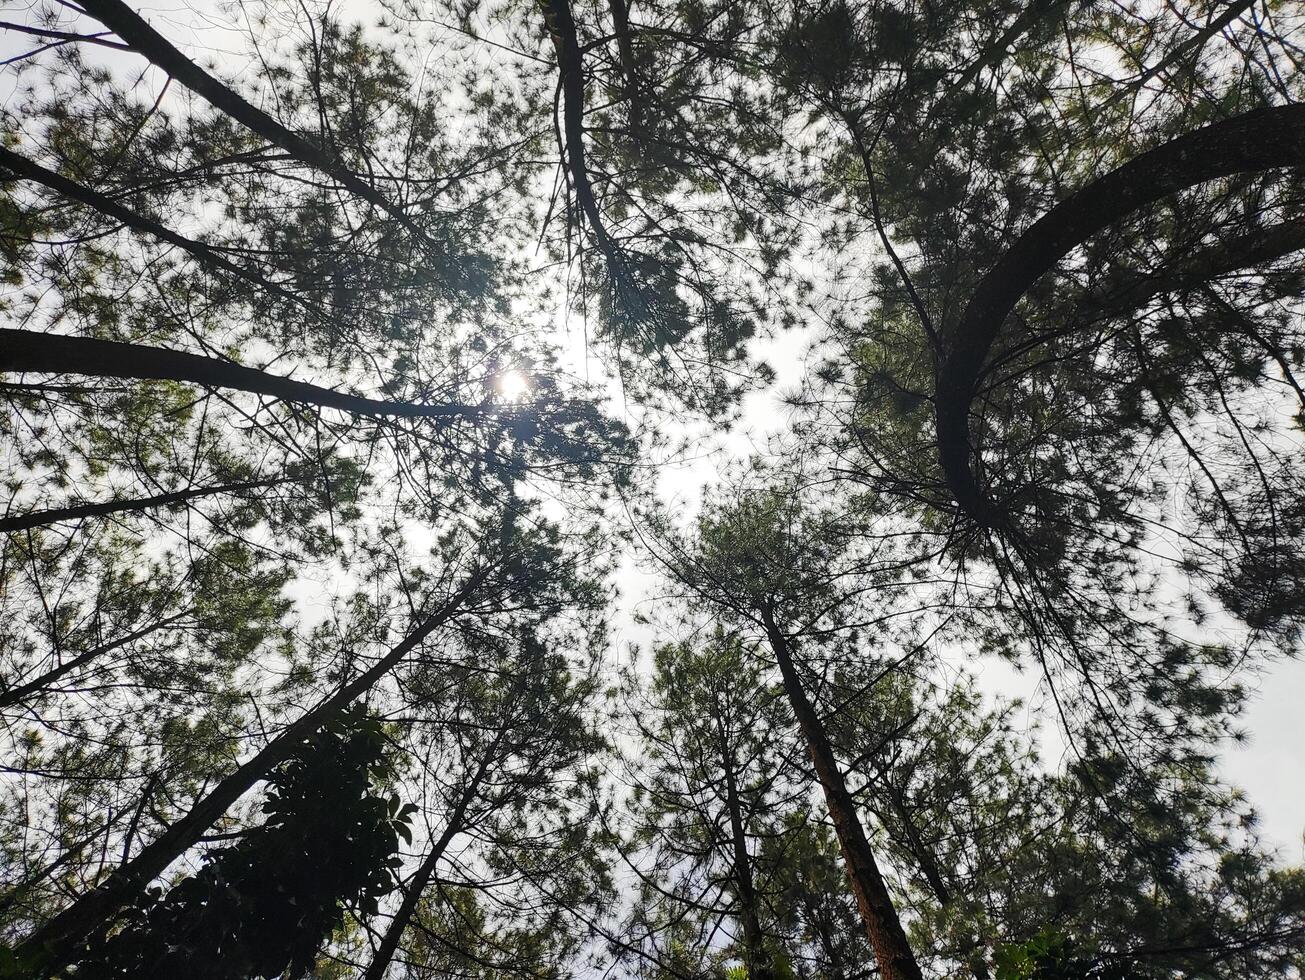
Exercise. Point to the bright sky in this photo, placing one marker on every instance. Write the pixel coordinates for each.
(1270, 767)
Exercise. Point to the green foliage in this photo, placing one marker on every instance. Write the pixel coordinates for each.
(265, 905)
(850, 168)
(1053, 956)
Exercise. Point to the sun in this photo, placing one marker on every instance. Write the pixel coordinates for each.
(513, 385)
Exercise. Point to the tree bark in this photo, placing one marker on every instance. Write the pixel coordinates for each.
(54, 945)
(49, 353)
(40, 518)
(756, 960)
(133, 29)
(1256, 141)
(883, 926)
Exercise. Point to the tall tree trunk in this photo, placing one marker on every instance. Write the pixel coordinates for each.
(411, 896)
(1265, 139)
(40, 518)
(561, 27)
(756, 959)
(133, 29)
(24, 350)
(421, 879)
(883, 926)
(54, 945)
(620, 11)
(14, 695)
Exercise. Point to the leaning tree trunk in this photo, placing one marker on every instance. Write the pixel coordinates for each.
(49, 353)
(417, 886)
(882, 924)
(54, 945)
(141, 37)
(560, 22)
(57, 515)
(13, 695)
(1256, 141)
(107, 206)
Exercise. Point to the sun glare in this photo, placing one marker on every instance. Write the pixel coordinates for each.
(513, 386)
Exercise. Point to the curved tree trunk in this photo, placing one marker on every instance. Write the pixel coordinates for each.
(620, 11)
(55, 944)
(561, 27)
(882, 924)
(1262, 140)
(49, 353)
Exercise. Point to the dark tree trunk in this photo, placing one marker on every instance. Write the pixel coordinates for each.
(205, 253)
(821, 926)
(1190, 270)
(629, 69)
(40, 518)
(923, 856)
(416, 888)
(54, 945)
(883, 926)
(14, 695)
(1256, 141)
(561, 27)
(756, 959)
(133, 29)
(49, 353)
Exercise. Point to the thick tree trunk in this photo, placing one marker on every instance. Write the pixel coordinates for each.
(756, 959)
(883, 926)
(54, 945)
(1262, 140)
(41, 518)
(134, 30)
(14, 695)
(49, 353)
